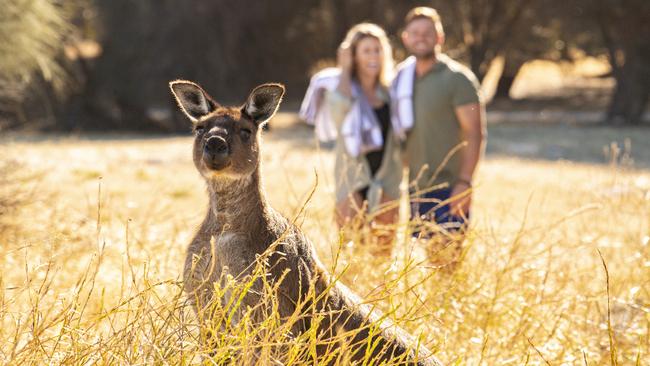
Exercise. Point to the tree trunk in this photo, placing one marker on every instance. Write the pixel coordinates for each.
(623, 27)
(477, 61)
(506, 80)
(632, 91)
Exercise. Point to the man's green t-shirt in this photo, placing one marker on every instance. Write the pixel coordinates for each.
(436, 133)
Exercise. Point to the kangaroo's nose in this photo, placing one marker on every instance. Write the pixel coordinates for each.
(216, 146)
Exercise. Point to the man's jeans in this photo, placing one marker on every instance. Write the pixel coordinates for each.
(429, 207)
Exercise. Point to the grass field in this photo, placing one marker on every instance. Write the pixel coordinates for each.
(90, 260)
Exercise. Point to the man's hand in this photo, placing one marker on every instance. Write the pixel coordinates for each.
(461, 199)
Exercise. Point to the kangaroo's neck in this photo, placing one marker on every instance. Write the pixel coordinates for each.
(238, 204)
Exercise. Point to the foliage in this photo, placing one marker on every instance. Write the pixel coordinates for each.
(232, 46)
(32, 34)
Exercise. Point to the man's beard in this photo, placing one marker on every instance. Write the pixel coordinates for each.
(427, 55)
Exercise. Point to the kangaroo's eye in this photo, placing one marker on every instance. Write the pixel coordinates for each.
(199, 129)
(245, 134)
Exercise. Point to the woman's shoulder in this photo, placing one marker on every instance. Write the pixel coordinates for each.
(327, 73)
(327, 79)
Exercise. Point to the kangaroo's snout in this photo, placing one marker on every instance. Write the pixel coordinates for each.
(216, 152)
(216, 145)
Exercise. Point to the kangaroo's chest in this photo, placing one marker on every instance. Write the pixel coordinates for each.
(234, 253)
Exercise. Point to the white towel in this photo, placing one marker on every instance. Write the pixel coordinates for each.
(401, 95)
(310, 109)
(360, 128)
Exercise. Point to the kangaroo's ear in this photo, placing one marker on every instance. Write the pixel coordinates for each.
(192, 99)
(263, 102)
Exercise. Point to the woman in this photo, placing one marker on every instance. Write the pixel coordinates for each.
(350, 105)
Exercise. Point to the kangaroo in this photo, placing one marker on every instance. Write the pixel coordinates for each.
(240, 226)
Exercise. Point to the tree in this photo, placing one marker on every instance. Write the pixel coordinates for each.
(32, 69)
(483, 29)
(229, 47)
(541, 34)
(624, 26)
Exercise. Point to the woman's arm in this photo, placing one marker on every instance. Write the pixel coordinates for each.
(345, 60)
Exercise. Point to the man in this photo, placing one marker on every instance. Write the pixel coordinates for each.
(445, 137)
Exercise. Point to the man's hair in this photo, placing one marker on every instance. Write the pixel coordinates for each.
(425, 12)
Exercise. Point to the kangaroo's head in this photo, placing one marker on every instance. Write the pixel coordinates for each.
(226, 144)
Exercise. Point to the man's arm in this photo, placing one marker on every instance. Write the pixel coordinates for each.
(471, 118)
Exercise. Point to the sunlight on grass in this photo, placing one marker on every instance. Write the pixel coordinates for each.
(90, 273)
(84, 174)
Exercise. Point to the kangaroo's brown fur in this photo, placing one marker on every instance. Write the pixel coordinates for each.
(240, 226)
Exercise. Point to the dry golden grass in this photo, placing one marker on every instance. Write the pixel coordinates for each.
(91, 267)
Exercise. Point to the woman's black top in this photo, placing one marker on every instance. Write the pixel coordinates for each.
(375, 157)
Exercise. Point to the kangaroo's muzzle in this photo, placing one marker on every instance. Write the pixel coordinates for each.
(216, 153)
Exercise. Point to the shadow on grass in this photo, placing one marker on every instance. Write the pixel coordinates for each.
(579, 143)
(552, 141)
(587, 143)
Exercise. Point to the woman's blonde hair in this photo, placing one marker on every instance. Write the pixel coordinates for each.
(364, 30)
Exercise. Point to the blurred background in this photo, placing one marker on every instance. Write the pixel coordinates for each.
(84, 65)
(99, 196)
